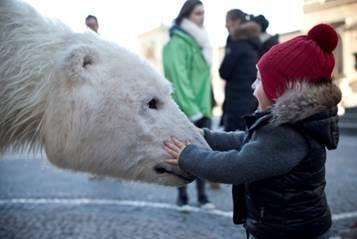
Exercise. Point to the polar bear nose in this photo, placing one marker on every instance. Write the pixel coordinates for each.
(162, 168)
(159, 169)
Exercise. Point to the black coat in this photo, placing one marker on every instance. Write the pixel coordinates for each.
(268, 44)
(239, 71)
(272, 206)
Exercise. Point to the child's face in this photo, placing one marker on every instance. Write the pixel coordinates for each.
(263, 100)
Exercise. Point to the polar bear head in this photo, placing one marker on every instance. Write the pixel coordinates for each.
(109, 112)
(92, 105)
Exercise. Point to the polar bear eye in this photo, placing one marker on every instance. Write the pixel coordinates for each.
(87, 61)
(153, 104)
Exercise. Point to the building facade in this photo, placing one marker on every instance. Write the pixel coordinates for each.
(342, 15)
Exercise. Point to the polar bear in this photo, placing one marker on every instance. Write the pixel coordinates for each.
(91, 105)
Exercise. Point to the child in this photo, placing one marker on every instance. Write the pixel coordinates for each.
(277, 167)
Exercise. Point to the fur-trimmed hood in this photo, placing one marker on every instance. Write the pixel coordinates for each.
(246, 31)
(312, 108)
(302, 100)
(249, 32)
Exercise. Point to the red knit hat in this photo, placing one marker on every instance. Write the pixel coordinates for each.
(307, 58)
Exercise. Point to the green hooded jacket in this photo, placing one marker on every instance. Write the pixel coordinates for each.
(186, 68)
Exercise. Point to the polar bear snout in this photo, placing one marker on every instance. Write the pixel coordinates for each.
(165, 168)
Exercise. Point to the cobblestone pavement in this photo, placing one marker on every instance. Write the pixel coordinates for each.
(40, 201)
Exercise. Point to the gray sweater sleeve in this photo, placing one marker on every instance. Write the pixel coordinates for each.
(223, 141)
(273, 152)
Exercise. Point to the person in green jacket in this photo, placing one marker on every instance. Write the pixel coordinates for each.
(187, 58)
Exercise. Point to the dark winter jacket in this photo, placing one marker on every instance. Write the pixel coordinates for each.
(267, 42)
(239, 71)
(277, 166)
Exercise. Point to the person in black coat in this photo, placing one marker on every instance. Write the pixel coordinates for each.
(267, 40)
(238, 69)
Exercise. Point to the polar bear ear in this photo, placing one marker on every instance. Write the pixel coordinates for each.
(78, 61)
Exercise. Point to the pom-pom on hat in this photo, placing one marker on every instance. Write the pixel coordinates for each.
(303, 58)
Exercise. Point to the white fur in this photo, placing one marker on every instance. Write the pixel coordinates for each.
(84, 100)
(201, 37)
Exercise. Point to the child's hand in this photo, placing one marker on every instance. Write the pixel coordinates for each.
(174, 148)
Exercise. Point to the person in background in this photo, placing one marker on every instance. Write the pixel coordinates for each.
(187, 58)
(267, 40)
(238, 69)
(92, 23)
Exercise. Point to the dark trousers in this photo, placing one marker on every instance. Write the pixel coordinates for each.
(233, 122)
(325, 235)
(200, 183)
(201, 192)
(232, 118)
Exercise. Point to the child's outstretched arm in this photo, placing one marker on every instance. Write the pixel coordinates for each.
(223, 141)
(273, 152)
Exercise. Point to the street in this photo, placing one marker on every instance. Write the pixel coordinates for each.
(40, 201)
